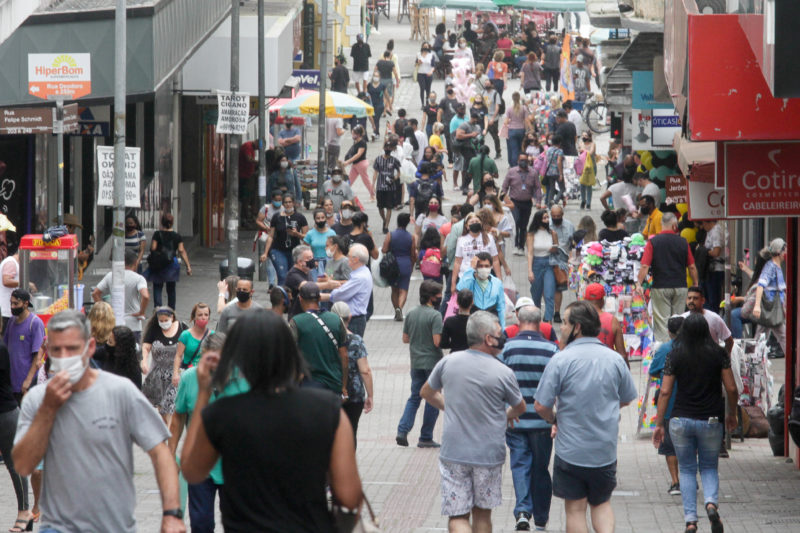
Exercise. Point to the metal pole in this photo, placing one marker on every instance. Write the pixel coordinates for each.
(234, 140)
(323, 79)
(60, 156)
(118, 230)
(262, 127)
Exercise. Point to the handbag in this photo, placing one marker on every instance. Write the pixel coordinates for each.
(771, 312)
(560, 275)
(184, 364)
(354, 521)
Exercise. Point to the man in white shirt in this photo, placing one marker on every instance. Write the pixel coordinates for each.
(422, 139)
(9, 269)
(574, 116)
(719, 330)
(136, 294)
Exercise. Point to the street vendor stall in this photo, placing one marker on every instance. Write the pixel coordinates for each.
(50, 266)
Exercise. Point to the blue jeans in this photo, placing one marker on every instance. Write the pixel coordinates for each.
(514, 145)
(544, 283)
(696, 445)
(586, 195)
(282, 261)
(737, 323)
(171, 295)
(418, 379)
(201, 505)
(530, 456)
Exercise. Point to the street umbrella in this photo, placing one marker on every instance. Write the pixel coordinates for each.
(505, 3)
(337, 105)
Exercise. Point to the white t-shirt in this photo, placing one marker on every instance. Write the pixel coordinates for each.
(719, 331)
(468, 247)
(651, 189)
(133, 299)
(425, 63)
(716, 239)
(422, 141)
(424, 222)
(575, 117)
(620, 189)
(331, 135)
(9, 267)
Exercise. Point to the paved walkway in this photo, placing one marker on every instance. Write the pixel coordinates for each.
(758, 493)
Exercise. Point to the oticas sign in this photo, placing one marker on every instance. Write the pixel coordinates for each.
(762, 179)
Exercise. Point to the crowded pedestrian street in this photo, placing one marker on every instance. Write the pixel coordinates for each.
(514, 307)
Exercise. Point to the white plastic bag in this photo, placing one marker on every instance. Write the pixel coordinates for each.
(510, 288)
(377, 280)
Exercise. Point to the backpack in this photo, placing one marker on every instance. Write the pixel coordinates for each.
(431, 264)
(501, 107)
(425, 190)
(159, 259)
(389, 268)
(540, 163)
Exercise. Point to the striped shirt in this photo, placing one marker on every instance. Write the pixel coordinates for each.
(527, 354)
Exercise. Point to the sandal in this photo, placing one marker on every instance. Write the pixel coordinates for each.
(691, 527)
(36, 516)
(713, 517)
(27, 525)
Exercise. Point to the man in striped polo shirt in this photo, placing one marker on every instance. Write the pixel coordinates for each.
(529, 441)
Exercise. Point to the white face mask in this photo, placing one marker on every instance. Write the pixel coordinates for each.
(462, 46)
(74, 365)
(284, 164)
(328, 252)
(347, 213)
(165, 325)
(483, 273)
(288, 210)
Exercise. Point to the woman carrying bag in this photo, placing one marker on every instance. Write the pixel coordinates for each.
(163, 265)
(768, 311)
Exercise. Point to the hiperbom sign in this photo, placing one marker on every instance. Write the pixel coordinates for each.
(64, 75)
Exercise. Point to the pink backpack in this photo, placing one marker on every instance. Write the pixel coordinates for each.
(540, 164)
(431, 265)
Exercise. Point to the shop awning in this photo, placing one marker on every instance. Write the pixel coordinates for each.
(488, 5)
(692, 154)
(162, 34)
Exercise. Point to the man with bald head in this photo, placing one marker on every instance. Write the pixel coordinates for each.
(667, 256)
(564, 229)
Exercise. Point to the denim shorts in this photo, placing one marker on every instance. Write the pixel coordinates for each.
(572, 482)
(666, 448)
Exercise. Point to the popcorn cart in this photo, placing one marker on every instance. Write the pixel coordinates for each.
(50, 267)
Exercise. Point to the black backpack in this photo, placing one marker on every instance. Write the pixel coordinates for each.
(389, 268)
(501, 107)
(425, 190)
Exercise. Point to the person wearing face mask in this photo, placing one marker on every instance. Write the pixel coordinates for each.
(386, 180)
(23, 336)
(564, 230)
(422, 191)
(285, 233)
(357, 291)
(83, 412)
(136, 294)
(590, 383)
(431, 218)
(425, 64)
(464, 52)
(447, 110)
(244, 303)
(304, 269)
(283, 178)
(430, 112)
(135, 239)
(480, 397)
(317, 238)
(487, 290)
(265, 214)
(159, 345)
(345, 224)
(337, 267)
(187, 353)
(470, 244)
(378, 97)
(652, 215)
(357, 157)
(523, 187)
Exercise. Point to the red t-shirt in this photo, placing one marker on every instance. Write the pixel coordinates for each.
(544, 328)
(500, 69)
(505, 45)
(247, 153)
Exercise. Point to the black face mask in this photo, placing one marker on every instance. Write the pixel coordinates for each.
(16, 311)
(436, 303)
(645, 209)
(320, 224)
(311, 264)
(501, 341)
(557, 221)
(387, 151)
(523, 165)
(475, 227)
(571, 336)
(243, 296)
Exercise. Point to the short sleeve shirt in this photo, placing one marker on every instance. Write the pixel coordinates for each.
(716, 325)
(292, 151)
(318, 240)
(387, 169)
(468, 247)
(589, 381)
(23, 342)
(134, 283)
(716, 239)
(360, 53)
(191, 353)
(281, 222)
(477, 387)
(421, 324)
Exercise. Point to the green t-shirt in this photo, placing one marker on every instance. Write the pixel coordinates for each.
(187, 398)
(192, 347)
(474, 170)
(421, 324)
(317, 348)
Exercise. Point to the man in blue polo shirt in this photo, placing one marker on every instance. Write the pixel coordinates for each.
(529, 441)
(591, 383)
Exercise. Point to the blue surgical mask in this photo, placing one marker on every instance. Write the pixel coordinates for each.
(276, 203)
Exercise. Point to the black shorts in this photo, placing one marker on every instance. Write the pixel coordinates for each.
(666, 448)
(386, 199)
(572, 482)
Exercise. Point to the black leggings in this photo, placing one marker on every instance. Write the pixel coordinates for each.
(8, 428)
(353, 411)
(551, 75)
(424, 81)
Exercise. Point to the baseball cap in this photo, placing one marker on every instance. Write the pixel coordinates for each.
(309, 291)
(522, 302)
(776, 246)
(594, 291)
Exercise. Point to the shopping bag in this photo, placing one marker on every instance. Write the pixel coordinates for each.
(510, 288)
(452, 306)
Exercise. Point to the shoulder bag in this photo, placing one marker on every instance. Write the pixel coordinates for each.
(184, 363)
(326, 329)
(158, 260)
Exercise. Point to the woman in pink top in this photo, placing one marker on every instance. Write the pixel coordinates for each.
(515, 122)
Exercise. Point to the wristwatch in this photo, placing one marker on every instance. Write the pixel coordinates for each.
(177, 513)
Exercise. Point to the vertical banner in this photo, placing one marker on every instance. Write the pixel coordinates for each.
(105, 176)
(567, 88)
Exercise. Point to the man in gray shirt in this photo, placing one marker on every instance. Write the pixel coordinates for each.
(564, 230)
(244, 303)
(590, 382)
(477, 388)
(136, 295)
(83, 424)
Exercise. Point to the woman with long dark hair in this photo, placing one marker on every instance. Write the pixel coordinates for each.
(122, 357)
(697, 366)
(280, 487)
(541, 242)
(135, 239)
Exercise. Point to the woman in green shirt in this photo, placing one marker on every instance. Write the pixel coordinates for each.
(480, 165)
(188, 352)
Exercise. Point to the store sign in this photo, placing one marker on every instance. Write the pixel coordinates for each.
(762, 178)
(706, 202)
(233, 112)
(643, 92)
(105, 173)
(67, 76)
(32, 120)
(306, 79)
(641, 129)
(665, 124)
(677, 189)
